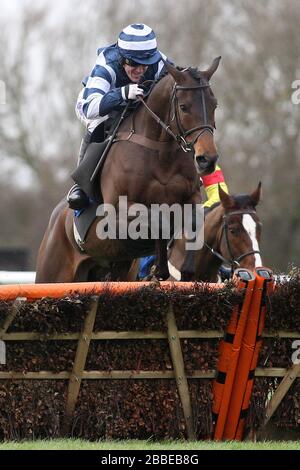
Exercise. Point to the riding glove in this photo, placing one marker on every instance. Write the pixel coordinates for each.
(132, 91)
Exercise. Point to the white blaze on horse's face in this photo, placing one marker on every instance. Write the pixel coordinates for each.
(249, 225)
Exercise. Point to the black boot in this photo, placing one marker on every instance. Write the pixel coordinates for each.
(77, 199)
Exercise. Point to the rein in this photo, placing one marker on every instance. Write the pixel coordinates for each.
(233, 262)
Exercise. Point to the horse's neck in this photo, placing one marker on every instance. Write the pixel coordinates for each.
(207, 263)
(159, 101)
(213, 232)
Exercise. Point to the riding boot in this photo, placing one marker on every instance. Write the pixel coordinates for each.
(76, 197)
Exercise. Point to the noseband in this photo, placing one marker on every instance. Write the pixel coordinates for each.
(180, 138)
(233, 262)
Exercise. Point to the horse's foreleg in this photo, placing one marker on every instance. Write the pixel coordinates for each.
(181, 261)
(132, 274)
(188, 267)
(55, 261)
(194, 238)
(54, 264)
(182, 253)
(161, 270)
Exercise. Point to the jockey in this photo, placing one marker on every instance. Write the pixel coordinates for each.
(113, 81)
(210, 184)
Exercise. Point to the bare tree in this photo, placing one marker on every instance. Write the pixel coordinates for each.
(259, 125)
(44, 58)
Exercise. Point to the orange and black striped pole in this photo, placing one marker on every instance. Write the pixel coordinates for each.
(247, 361)
(268, 290)
(229, 352)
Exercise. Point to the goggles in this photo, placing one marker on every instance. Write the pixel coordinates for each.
(132, 63)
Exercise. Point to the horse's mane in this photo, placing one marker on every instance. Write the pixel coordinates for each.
(162, 75)
(193, 71)
(149, 85)
(242, 201)
(213, 206)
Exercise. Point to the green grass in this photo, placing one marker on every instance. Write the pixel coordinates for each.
(77, 444)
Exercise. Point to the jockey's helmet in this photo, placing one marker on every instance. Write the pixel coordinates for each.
(137, 45)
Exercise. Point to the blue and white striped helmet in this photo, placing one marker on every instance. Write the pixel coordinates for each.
(137, 42)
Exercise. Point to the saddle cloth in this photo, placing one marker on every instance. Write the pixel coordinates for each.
(83, 220)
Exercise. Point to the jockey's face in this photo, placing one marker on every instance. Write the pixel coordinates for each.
(136, 72)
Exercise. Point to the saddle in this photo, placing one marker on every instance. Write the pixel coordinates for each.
(87, 174)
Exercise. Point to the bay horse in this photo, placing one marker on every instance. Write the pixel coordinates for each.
(232, 232)
(157, 157)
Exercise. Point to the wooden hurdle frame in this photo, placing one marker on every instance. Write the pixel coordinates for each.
(21, 293)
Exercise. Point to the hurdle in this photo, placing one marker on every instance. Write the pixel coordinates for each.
(57, 290)
(170, 330)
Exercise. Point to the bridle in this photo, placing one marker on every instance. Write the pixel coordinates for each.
(233, 262)
(188, 146)
(180, 138)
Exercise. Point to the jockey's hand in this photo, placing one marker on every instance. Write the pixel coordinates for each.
(132, 91)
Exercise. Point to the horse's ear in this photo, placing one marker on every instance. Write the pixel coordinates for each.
(255, 196)
(226, 200)
(211, 70)
(176, 74)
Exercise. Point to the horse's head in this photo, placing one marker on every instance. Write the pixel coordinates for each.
(192, 116)
(235, 228)
(231, 235)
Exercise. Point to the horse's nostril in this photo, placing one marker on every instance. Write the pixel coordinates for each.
(205, 164)
(205, 160)
(202, 161)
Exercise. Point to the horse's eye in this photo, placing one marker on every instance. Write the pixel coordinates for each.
(184, 108)
(234, 230)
